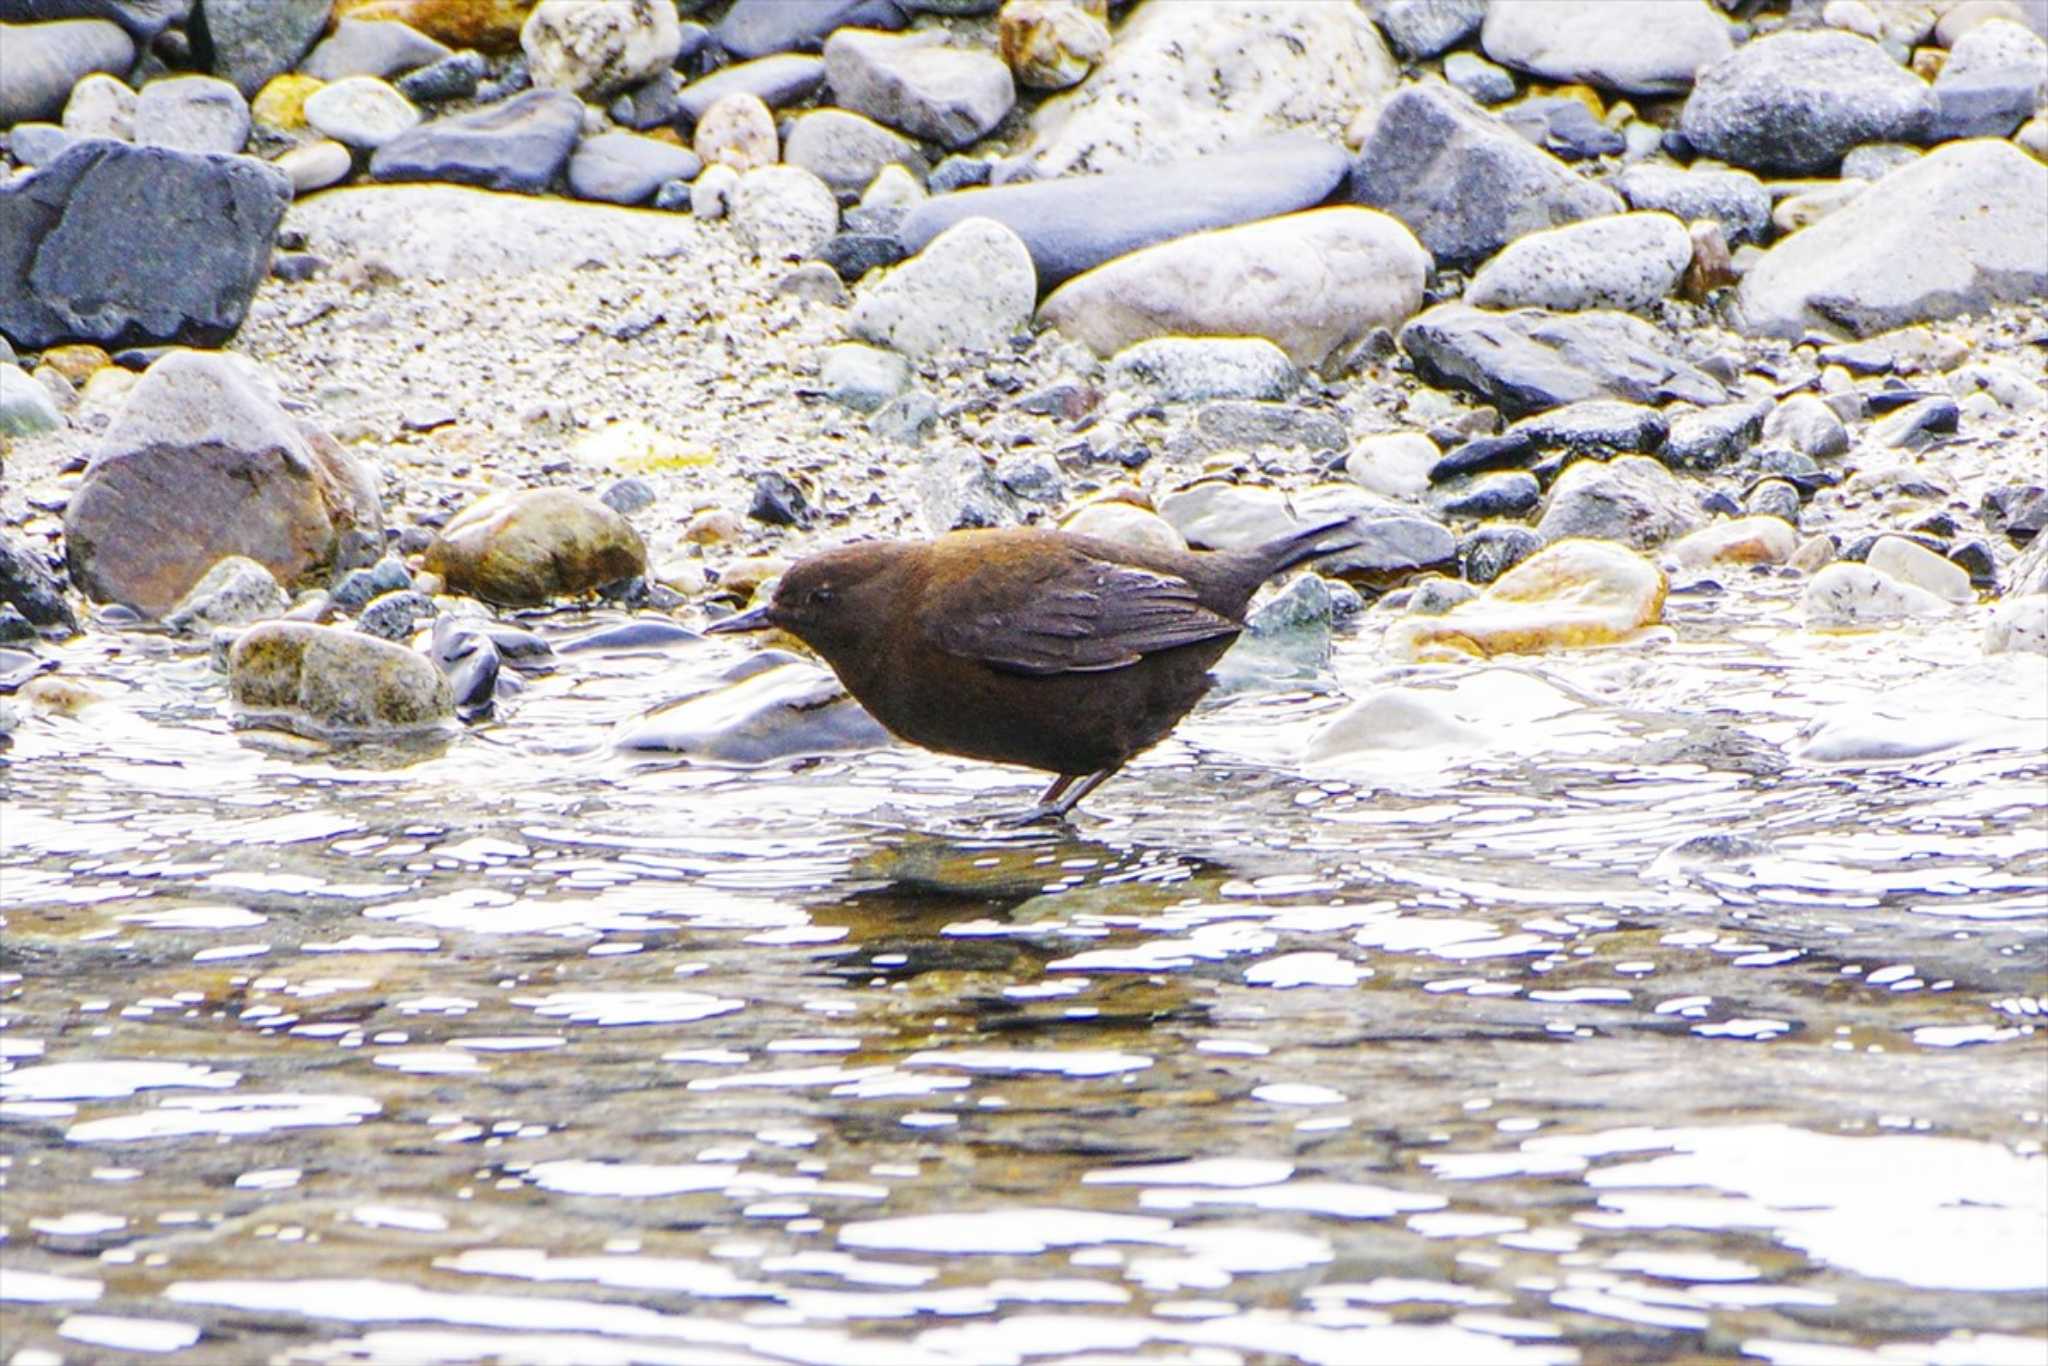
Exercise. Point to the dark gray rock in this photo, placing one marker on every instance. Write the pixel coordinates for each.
(1076, 224)
(1510, 450)
(1491, 551)
(45, 60)
(143, 20)
(1596, 427)
(454, 77)
(395, 616)
(1773, 498)
(1736, 200)
(1996, 76)
(28, 586)
(247, 42)
(1529, 360)
(784, 79)
(628, 496)
(1564, 127)
(356, 588)
(1479, 79)
(1918, 424)
(853, 254)
(651, 104)
(625, 168)
(129, 246)
(1797, 101)
(1713, 437)
(779, 501)
(760, 28)
(1423, 28)
(1463, 181)
(519, 144)
(933, 90)
(470, 660)
(1506, 493)
(2016, 511)
(373, 47)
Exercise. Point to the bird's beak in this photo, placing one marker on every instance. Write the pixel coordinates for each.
(753, 619)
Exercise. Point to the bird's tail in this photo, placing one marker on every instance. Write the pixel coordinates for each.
(1307, 543)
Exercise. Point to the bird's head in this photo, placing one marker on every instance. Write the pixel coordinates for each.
(831, 601)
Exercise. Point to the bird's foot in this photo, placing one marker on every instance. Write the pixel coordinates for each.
(1045, 813)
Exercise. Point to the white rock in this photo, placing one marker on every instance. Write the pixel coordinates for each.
(893, 188)
(1643, 47)
(711, 192)
(191, 114)
(1915, 564)
(2018, 624)
(1633, 499)
(1194, 369)
(1312, 283)
(599, 47)
(737, 131)
(101, 106)
(1846, 594)
(1628, 261)
(783, 213)
(919, 84)
(316, 165)
(1393, 464)
(970, 289)
(361, 111)
(1181, 80)
(1125, 524)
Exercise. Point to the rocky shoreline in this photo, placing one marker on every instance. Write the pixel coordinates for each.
(1752, 294)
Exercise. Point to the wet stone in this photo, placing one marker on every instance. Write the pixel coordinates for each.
(527, 548)
(235, 591)
(1846, 595)
(1595, 426)
(28, 586)
(335, 684)
(395, 616)
(784, 712)
(1572, 594)
(1709, 438)
(471, 661)
(1509, 493)
(354, 589)
(1773, 498)
(1529, 360)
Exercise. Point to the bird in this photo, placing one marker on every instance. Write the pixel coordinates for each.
(1047, 649)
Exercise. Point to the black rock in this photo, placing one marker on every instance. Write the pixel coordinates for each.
(1919, 424)
(125, 245)
(673, 196)
(757, 28)
(779, 502)
(2016, 511)
(358, 586)
(1975, 558)
(1531, 360)
(519, 144)
(641, 633)
(854, 254)
(1507, 493)
(27, 585)
(1713, 437)
(1600, 427)
(1075, 224)
(785, 79)
(1488, 552)
(1508, 451)
(466, 653)
(454, 77)
(1773, 498)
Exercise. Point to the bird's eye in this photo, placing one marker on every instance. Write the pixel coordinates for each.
(821, 597)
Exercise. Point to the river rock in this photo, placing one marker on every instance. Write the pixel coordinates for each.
(1184, 80)
(1594, 426)
(517, 144)
(598, 50)
(919, 84)
(488, 25)
(970, 289)
(1995, 77)
(760, 28)
(2018, 624)
(784, 712)
(45, 60)
(528, 548)
(201, 463)
(847, 151)
(1959, 229)
(1846, 595)
(1425, 28)
(28, 586)
(101, 106)
(236, 591)
(1736, 200)
(1194, 369)
(26, 407)
(1629, 261)
(454, 77)
(1125, 524)
(1642, 47)
(1462, 180)
(862, 378)
(191, 114)
(316, 165)
(1502, 494)
(1797, 101)
(1807, 424)
(739, 132)
(250, 41)
(1050, 44)
(626, 168)
(1491, 549)
(128, 246)
(335, 684)
(380, 48)
(1743, 541)
(783, 79)
(783, 213)
(142, 20)
(1914, 564)
(1530, 360)
(1573, 593)
(1313, 283)
(1393, 464)
(1075, 224)
(1478, 79)
(361, 111)
(1633, 500)
(1708, 438)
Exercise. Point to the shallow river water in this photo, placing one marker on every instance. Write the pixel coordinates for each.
(1680, 1003)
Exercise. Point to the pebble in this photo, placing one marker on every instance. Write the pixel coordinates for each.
(739, 132)
(100, 106)
(316, 165)
(528, 548)
(1463, 181)
(1565, 127)
(44, 61)
(847, 151)
(1876, 160)
(518, 144)
(1480, 80)
(782, 712)
(191, 114)
(1075, 224)
(778, 81)
(360, 111)
(918, 84)
(1530, 360)
(1798, 101)
(1708, 438)
(1627, 261)
(2018, 512)
(1736, 200)
(1050, 44)
(1808, 425)
(1773, 498)
(626, 168)
(372, 47)
(454, 77)
(354, 590)
(236, 591)
(1846, 595)
(782, 213)
(335, 684)
(1393, 464)
(1572, 594)
(1642, 47)
(1633, 500)
(26, 407)
(395, 616)
(2018, 624)
(1914, 564)
(594, 51)
(1742, 541)
(971, 289)
(816, 283)
(760, 28)
(1505, 493)
(862, 378)
(1425, 28)
(1194, 369)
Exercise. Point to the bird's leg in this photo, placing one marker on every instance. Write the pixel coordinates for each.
(1061, 805)
(1048, 808)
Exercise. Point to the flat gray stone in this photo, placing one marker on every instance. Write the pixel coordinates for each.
(760, 28)
(1530, 360)
(254, 40)
(625, 168)
(847, 150)
(1425, 28)
(373, 47)
(929, 89)
(1736, 200)
(45, 60)
(518, 144)
(785, 78)
(1796, 102)
(1641, 47)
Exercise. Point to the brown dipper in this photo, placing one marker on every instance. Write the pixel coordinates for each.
(1055, 651)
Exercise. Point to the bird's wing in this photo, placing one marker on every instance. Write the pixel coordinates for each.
(1086, 616)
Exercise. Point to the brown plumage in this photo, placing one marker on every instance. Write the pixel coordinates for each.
(1058, 652)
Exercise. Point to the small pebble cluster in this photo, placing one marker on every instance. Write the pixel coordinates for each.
(1565, 300)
